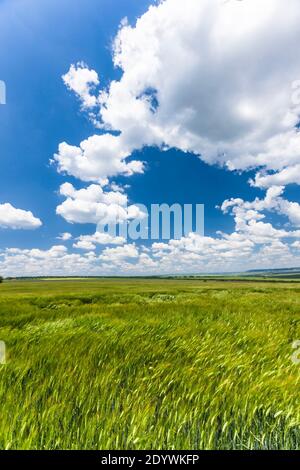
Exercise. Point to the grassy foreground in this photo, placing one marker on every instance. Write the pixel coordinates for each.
(130, 364)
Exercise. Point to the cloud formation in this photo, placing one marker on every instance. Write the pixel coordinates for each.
(82, 81)
(13, 218)
(218, 79)
(93, 205)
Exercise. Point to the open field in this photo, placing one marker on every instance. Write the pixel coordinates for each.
(163, 364)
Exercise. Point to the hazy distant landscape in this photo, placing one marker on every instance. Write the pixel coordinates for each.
(256, 275)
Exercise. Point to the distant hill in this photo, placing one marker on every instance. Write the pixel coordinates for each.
(252, 274)
(275, 270)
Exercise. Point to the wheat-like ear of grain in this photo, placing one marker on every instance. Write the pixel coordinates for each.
(149, 364)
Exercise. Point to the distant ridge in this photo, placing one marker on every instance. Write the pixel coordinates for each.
(274, 270)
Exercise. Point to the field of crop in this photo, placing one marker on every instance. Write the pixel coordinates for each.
(149, 364)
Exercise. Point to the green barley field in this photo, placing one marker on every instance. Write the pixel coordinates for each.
(149, 364)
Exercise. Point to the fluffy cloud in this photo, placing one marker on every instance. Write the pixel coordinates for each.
(97, 158)
(64, 236)
(93, 205)
(193, 254)
(235, 102)
(13, 218)
(119, 253)
(228, 253)
(82, 81)
(90, 242)
(55, 261)
(245, 212)
(252, 240)
(290, 174)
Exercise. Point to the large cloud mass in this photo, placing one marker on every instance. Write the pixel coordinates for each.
(217, 78)
(213, 77)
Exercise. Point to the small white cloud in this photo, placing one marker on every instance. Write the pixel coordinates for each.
(13, 218)
(93, 205)
(290, 174)
(98, 157)
(89, 242)
(64, 236)
(82, 81)
(119, 253)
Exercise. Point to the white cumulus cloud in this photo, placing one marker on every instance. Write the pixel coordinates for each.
(215, 78)
(13, 218)
(82, 81)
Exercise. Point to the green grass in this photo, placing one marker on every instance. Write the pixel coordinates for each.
(155, 364)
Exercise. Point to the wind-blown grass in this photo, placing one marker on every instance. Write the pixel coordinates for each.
(135, 364)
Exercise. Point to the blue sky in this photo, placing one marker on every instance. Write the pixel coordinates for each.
(213, 131)
(38, 42)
